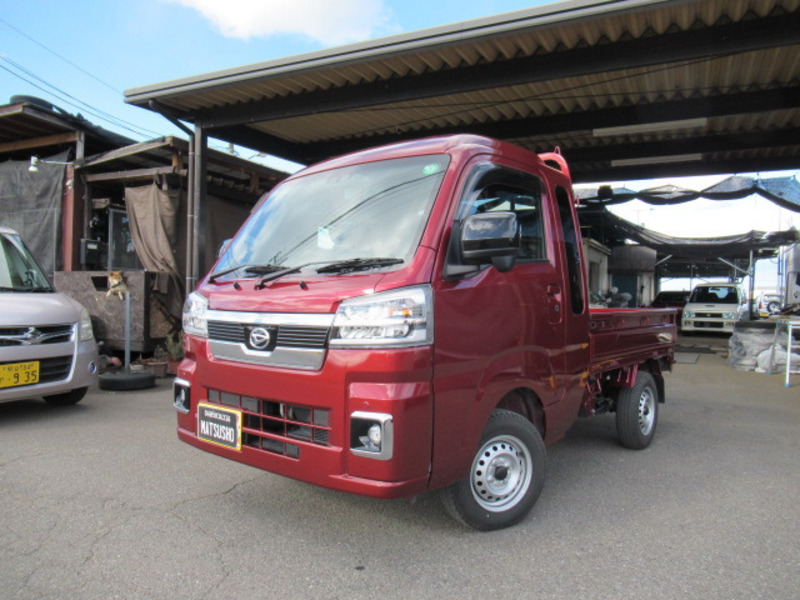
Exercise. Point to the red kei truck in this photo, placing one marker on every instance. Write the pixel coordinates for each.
(414, 317)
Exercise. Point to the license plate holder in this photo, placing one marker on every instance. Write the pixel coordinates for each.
(17, 374)
(219, 425)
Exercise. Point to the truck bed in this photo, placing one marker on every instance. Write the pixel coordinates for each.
(621, 337)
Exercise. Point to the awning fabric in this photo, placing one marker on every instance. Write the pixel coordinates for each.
(612, 231)
(783, 191)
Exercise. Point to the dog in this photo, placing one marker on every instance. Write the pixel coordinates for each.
(116, 284)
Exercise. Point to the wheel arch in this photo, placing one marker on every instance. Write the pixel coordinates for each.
(653, 367)
(525, 402)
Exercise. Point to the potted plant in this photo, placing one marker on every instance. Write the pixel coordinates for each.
(174, 346)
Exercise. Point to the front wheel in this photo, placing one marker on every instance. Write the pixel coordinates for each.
(67, 398)
(506, 476)
(637, 412)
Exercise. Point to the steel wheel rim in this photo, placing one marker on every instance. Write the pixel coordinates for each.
(501, 473)
(647, 411)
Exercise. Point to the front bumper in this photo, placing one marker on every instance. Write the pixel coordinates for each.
(80, 368)
(307, 425)
(708, 324)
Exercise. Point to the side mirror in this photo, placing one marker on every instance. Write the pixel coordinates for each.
(491, 238)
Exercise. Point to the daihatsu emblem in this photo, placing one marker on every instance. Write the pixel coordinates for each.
(259, 338)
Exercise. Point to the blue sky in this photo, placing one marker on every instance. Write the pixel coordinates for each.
(83, 55)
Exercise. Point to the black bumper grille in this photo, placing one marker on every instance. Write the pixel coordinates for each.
(272, 426)
(52, 369)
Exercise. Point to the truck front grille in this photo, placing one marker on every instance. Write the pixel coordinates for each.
(293, 341)
(288, 336)
(273, 426)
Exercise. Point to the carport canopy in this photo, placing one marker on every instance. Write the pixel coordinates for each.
(628, 89)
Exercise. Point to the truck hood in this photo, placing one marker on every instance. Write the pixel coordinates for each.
(34, 309)
(291, 294)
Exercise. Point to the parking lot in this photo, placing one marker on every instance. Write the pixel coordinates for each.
(100, 500)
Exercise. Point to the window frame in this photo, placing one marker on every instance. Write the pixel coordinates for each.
(488, 174)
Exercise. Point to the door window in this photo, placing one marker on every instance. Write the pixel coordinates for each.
(572, 251)
(501, 189)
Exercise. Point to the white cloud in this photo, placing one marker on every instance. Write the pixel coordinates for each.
(329, 23)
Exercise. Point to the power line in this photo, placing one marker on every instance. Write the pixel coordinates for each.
(66, 60)
(67, 98)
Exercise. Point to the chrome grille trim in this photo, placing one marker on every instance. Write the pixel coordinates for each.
(33, 335)
(301, 338)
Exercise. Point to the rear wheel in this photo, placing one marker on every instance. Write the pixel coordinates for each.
(506, 476)
(67, 398)
(637, 412)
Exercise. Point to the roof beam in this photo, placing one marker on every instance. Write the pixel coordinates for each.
(603, 173)
(262, 142)
(134, 174)
(690, 145)
(696, 44)
(41, 142)
(673, 110)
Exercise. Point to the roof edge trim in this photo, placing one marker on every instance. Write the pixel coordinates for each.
(530, 18)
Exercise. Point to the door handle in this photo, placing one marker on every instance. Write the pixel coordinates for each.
(553, 291)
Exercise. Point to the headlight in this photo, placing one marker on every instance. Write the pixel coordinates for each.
(194, 315)
(688, 314)
(729, 315)
(398, 318)
(85, 332)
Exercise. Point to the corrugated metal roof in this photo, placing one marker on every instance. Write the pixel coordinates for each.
(540, 77)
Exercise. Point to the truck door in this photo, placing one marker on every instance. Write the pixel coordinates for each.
(496, 332)
(576, 316)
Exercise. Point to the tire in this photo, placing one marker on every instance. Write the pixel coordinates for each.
(67, 398)
(637, 412)
(123, 382)
(505, 478)
(773, 308)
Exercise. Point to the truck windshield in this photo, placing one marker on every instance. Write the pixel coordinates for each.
(363, 216)
(19, 272)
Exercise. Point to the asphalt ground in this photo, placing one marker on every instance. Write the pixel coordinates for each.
(101, 501)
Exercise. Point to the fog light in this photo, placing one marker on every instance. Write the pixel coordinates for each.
(372, 435)
(181, 396)
(372, 441)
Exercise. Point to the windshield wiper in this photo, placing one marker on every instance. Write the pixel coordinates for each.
(271, 276)
(257, 269)
(341, 266)
(359, 264)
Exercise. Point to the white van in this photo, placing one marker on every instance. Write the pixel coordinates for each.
(47, 347)
(714, 307)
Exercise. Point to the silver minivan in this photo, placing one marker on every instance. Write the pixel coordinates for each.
(47, 347)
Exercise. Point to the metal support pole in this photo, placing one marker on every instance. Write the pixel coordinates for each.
(191, 211)
(752, 273)
(127, 332)
(198, 177)
(189, 276)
